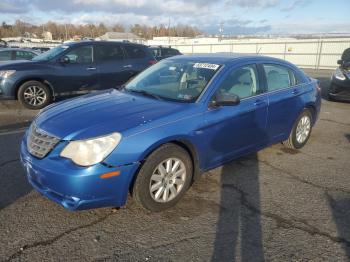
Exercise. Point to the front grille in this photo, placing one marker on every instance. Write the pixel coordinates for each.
(40, 143)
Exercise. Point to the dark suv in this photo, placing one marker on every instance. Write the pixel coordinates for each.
(161, 52)
(71, 69)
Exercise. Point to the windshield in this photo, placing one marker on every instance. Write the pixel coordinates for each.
(51, 53)
(180, 81)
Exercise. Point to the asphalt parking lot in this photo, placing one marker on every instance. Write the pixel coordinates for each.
(275, 205)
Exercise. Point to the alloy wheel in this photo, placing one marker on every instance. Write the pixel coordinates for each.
(303, 129)
(167, 180)
(34, 95)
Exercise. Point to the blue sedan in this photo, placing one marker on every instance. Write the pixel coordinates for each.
(155, 135)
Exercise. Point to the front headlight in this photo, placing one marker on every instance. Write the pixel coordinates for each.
(91, 151)
(6, 73)
(338, 74)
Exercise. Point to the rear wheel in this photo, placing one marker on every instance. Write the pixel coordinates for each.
(34, 95)
(164, 178)
(301, 131)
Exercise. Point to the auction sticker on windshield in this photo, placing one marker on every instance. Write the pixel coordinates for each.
(206, 65)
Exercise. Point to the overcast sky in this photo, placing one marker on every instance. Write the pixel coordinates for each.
(237, 16)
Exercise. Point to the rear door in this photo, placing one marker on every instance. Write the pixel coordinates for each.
(112, 65)
(285, 100)
(137, 58)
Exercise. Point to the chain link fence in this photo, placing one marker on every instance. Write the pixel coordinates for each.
(316, 54)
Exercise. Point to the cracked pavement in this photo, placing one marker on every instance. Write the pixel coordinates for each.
(274, 205)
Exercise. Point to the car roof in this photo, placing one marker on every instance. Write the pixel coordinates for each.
(228, 58)
(16, 49)
(86, 42)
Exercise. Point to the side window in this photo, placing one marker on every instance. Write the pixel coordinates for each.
(104, 53)
(80, 55)
(5, 55)
(134, 52)
(279, 77)
(24, 55)
(242, 82)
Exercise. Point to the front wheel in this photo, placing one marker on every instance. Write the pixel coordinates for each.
(301, 131)
(34, 95)
(164, 178)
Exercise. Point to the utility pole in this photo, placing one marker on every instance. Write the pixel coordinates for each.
(221, 31)
(65, 27)
(169, 32)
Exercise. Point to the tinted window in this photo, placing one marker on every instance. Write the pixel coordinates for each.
(242, 82)
(279, 77)
(169, 51)
(5, 55)
(108, 53)
(134, 51)
(80, 55)
(24, 55)
(155, 51)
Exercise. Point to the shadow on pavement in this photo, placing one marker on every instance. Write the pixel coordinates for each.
(13, 182)
(347, 137)
(239, 233)
(341, 214)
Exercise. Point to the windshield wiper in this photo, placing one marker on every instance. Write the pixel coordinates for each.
(143, 92)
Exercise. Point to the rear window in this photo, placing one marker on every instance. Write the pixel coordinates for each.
(279, 77)
(20, 55)
(134, 52)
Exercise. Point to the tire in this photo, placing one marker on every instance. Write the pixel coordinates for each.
(295, 141)
(34, 95)
(142, 192)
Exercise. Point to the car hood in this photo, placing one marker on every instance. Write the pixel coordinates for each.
(14, 64)
(104, 113)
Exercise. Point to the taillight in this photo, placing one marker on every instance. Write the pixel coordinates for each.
(152, 62)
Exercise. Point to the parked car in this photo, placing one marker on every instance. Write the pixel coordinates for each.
(70, 69)
(156, 135)
(3, 44)
(340, 82)
(161, 52)
(9, 54)
(41, 49)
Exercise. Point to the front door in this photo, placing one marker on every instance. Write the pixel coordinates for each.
(230, 131)
(78, 74)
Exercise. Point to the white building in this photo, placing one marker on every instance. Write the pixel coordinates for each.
(119, 36)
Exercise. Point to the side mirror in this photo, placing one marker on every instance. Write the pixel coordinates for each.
(346, 64)
(340, 62)
(64, 60)
(225, 100)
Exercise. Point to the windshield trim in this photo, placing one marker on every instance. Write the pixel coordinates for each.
(57, 55)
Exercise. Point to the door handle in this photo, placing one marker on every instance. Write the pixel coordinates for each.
(127, 66)
(295, 91)
(259, 102)
(91, 68)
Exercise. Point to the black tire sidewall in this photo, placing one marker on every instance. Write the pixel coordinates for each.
(141, 186)
(24, 86)
(295, 142)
